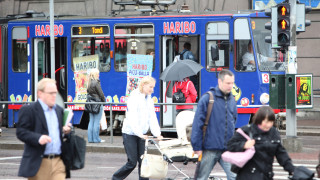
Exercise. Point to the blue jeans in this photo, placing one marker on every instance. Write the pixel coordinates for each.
(209, 160)
(94, 127)
(134, 147)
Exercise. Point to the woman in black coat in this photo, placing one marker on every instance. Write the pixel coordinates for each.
(267, 143)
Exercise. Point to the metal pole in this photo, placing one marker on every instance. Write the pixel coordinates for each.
(111, 125)
(291, 129)
(52, 52)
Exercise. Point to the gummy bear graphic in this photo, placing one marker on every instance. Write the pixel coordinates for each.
(122, 99)
(25, 98)
(115, 99)
(109, 99)
(12, 98)
(19, 98)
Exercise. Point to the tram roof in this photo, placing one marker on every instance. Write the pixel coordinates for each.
(250, 13)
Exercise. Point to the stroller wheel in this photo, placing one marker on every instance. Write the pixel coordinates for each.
(214, 178)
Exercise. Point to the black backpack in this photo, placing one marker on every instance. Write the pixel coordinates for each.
(178, 97)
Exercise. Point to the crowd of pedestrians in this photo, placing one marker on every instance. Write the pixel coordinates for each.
(41, 128)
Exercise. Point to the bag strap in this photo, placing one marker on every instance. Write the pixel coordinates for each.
(209, 110)
(187, 85)
(181, 55)
(240, 131)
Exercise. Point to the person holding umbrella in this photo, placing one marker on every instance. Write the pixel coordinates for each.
(190, 93)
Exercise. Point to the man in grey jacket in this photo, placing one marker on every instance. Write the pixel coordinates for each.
(220, 128)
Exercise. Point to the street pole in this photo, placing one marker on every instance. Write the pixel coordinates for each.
(292, 143)
(52, 51)
(291, 126)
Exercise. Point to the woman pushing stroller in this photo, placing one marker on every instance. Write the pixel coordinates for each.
(140, 117)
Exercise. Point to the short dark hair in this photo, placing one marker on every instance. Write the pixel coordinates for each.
(223, 73)
(149, 51)
(263, 113)
(187, 45)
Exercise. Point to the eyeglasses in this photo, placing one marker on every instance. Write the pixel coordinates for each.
(51, 93)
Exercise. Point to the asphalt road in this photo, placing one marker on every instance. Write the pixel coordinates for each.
(101, 166)
(98, 166)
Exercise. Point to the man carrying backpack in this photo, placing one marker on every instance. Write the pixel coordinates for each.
(184, 92)
(220, 126)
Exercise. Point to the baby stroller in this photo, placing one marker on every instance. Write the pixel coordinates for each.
(156, 166)
(171, 150)
(180, 149)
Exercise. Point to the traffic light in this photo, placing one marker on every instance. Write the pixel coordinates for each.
(283, 23)
(273, 39)
(302, 9)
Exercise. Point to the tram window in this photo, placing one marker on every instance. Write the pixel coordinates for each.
(19, 49)
(217, 46)
(244, 59)
(132, 39)
(268, 59)
(93, 52)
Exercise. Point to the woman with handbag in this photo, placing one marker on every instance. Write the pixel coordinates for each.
(189, 91)
(95, 91)
(140, 117)
(267, 143)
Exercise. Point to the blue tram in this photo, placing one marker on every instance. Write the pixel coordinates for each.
(219, 41)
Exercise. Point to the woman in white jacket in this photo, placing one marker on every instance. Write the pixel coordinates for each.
(140, 117)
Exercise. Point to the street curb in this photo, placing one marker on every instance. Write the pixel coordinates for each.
(14, 146)
(301, 133)
(89, 148)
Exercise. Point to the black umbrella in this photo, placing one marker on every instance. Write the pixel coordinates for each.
(179, 70)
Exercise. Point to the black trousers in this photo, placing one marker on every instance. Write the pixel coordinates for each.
(134, 147)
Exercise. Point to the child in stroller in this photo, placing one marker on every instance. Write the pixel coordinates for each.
(180, 149)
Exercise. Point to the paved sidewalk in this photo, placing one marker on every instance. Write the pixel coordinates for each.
(8, 140)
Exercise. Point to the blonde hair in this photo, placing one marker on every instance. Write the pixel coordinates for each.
(93, 75)
(146, 80)
(43, 83)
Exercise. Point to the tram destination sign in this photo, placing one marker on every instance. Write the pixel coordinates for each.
(90, 30)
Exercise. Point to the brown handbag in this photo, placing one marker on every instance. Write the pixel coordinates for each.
(204, 128)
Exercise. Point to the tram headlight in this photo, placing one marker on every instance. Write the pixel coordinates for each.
(264, 98)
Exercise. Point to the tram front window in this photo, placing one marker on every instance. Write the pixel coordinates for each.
(268, 59)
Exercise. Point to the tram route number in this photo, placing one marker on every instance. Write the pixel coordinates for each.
(265, 78)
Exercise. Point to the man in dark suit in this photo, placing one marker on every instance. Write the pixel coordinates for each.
(41, 128)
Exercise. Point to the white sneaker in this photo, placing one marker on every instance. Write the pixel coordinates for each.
(102, 141)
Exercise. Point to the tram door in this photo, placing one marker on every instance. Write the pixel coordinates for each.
(42, 64)
(168, 112)
(39, 62)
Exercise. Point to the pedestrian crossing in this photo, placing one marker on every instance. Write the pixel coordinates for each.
(218, 173)
(279, 172)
